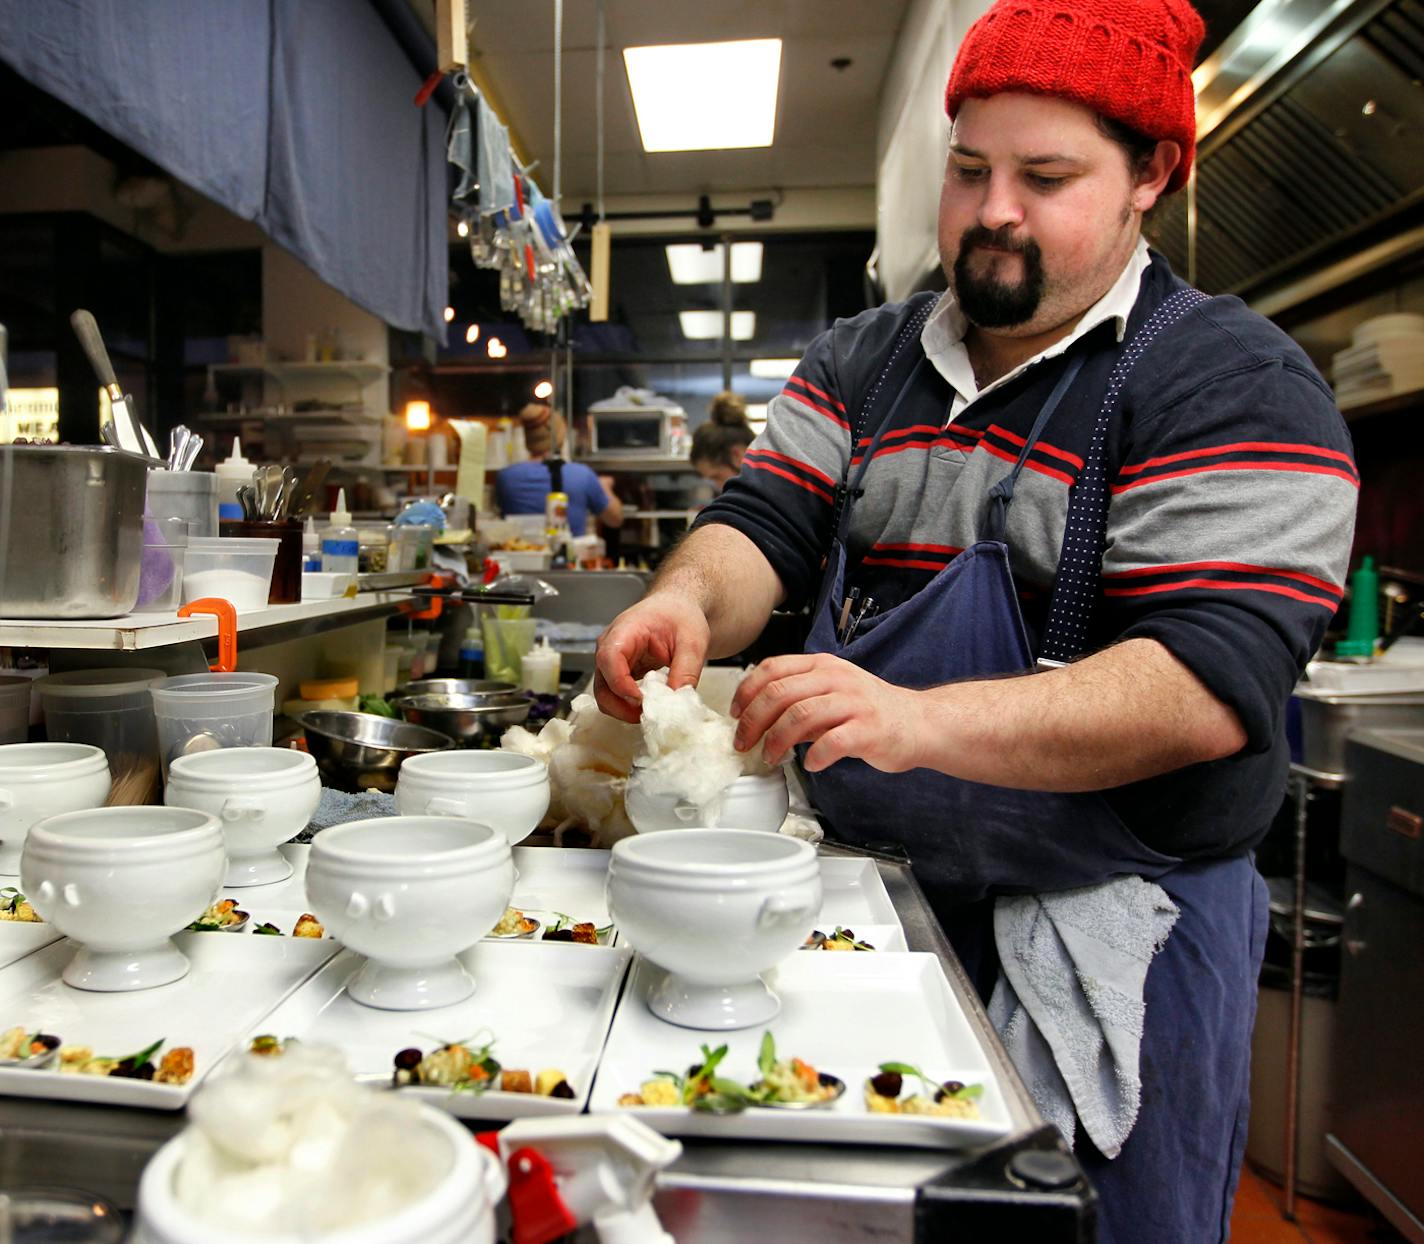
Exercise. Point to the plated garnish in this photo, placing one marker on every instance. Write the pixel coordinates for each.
(466, 1066)
(566, 929)
(951, 1099)
(21, 1047)
(308, 926)
(789, 1082)
(222, 917)
(840, 939)
(175, 1067)
(514, 923)
(15, 906)
(266, 929)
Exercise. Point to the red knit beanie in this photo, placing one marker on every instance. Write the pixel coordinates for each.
(1130, 60)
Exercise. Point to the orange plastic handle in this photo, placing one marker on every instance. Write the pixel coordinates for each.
(436, 604)
(227, 629)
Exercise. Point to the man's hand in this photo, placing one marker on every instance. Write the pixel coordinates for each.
(835, 705)
(665, 628)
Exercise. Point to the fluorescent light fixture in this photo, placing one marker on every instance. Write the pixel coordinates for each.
(756, 416)
(705, 96)
(707, 325)
(773, 369)
(417, 416)
(689, 264)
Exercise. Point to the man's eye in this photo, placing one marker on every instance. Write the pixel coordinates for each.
(1040, 182)
(970, 172)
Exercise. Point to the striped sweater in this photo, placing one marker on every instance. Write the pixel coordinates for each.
(1233, 500)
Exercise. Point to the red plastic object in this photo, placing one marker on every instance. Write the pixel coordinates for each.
(227, 629)
(538, 1211)
(427, 89)
(436, 604)
(490, 571)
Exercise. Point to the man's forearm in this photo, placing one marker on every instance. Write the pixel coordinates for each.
(728, 578)
(1127, 713)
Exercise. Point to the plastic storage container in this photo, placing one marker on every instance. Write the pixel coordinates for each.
(165, 550)
(192, 495)
(111, 708)
(235, 568)
(202, 712)
(15, 692)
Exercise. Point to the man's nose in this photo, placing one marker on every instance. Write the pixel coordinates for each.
(1001, 204)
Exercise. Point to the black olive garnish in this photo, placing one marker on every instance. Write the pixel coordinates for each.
(887, 1083)
(562, 1090)
(409, 1060)
(948, 1089)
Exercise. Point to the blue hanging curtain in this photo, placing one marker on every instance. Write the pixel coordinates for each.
(294, 114)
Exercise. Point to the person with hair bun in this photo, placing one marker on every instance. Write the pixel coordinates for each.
(719, 444)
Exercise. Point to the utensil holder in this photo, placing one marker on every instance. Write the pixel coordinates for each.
(286, 586)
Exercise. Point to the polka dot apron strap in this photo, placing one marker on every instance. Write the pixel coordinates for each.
(1080, 562)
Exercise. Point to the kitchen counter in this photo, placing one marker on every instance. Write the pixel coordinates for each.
(1027, 1184)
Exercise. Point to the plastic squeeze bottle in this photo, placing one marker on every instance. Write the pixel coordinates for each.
(1362, 629)
(311, 546)
(340, 544)
(232, 473)
(472, 653)
(539, 669)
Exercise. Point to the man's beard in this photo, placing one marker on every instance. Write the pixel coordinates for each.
(988, 302)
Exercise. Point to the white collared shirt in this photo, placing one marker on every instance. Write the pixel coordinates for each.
(943, 334)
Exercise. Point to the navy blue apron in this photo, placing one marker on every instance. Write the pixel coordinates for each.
(968, 842)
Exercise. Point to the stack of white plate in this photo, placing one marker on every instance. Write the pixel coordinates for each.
(1385, 357)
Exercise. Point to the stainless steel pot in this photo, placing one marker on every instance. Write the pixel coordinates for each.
(71, 531)
(1325, 719)
(471, 720)
(364, 751)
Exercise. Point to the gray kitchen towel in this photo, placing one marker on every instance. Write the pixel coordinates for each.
(1068, 1003)
(339, 806)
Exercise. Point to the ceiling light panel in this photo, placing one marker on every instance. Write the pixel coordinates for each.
(690, 264)
(705, 96)
(773, 369)
(707, 325)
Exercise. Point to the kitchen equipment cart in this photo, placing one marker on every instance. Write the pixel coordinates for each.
(1025, 1186)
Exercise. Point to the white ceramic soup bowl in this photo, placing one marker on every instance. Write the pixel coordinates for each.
(755, 801)
(121, 882)
(264, 796)
(459, 1209)
(38, 780)
(410, 893)
(503, 789)
(715, 908)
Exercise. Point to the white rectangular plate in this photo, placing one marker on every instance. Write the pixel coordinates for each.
(234, 981)
(545, 1005)
(842, 1013)
(853, 895)
(19, 938)
(551, 880)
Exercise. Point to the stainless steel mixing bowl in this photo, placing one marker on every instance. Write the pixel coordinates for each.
(471, 720)
(364, 751)
(456, 686)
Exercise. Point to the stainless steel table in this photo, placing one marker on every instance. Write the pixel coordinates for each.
(1028, 1184)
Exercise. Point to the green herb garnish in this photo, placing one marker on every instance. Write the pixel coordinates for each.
(933, 1090)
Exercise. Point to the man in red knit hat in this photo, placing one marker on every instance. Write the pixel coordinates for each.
(1069, 532)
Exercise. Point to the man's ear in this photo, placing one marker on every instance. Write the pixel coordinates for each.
(1153, 179)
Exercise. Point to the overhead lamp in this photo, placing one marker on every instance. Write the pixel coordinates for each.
(691, 264)
(463, 228)
(773, 369)
(544, 390)
(417, 416)
(449, 314)
(705, 96)
(472, 334)
(495, 348)
(707, 325)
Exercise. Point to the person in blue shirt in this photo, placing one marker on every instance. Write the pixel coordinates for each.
(523, 487)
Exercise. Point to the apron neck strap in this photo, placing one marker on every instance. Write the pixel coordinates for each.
(1080, 560)
(1001, 495)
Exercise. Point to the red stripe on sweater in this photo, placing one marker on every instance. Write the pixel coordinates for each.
(1030, 465)
(1039, 446)
(1236, 567)
(904, 563)
(795, 479)
(1223, 584)
(949, 549)
(920, 429)
(820, 410)
(1240, 466)
(821, 393)
(1240, 447)
(800, 466)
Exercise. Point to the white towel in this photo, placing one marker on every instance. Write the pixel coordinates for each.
(1069, 1000)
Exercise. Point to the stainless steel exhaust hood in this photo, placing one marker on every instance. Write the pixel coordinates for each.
(1310, 138)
